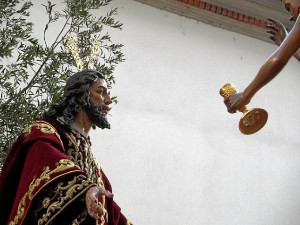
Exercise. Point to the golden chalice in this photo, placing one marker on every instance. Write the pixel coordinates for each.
(252, 120)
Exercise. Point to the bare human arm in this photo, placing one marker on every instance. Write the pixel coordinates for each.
(269, 70)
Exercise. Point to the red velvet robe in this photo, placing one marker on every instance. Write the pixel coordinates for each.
(45, 177)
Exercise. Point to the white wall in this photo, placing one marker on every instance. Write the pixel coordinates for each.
(174, 155)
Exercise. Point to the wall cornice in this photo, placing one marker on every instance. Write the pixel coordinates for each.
(244, 17)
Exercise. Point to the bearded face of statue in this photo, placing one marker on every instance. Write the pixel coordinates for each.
(99, 102)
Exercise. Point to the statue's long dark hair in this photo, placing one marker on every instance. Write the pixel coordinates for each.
(76, 94)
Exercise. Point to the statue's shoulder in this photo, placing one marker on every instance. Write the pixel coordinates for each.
(41, 129)
(41, 126)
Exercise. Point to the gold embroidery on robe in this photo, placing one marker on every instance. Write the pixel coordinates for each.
(81, 155)
(63, 164)
(44, 127)
(63, 193)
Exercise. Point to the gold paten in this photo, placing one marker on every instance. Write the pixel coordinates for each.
(252, 120)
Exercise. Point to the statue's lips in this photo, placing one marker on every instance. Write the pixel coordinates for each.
(105, 109)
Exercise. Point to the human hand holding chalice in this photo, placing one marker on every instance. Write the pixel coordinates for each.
(252, 120)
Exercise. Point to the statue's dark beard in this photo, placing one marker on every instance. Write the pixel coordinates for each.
(97, 116)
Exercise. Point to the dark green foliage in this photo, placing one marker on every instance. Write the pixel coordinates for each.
(33, 71)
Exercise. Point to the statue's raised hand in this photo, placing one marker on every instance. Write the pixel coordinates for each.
(276, 31)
